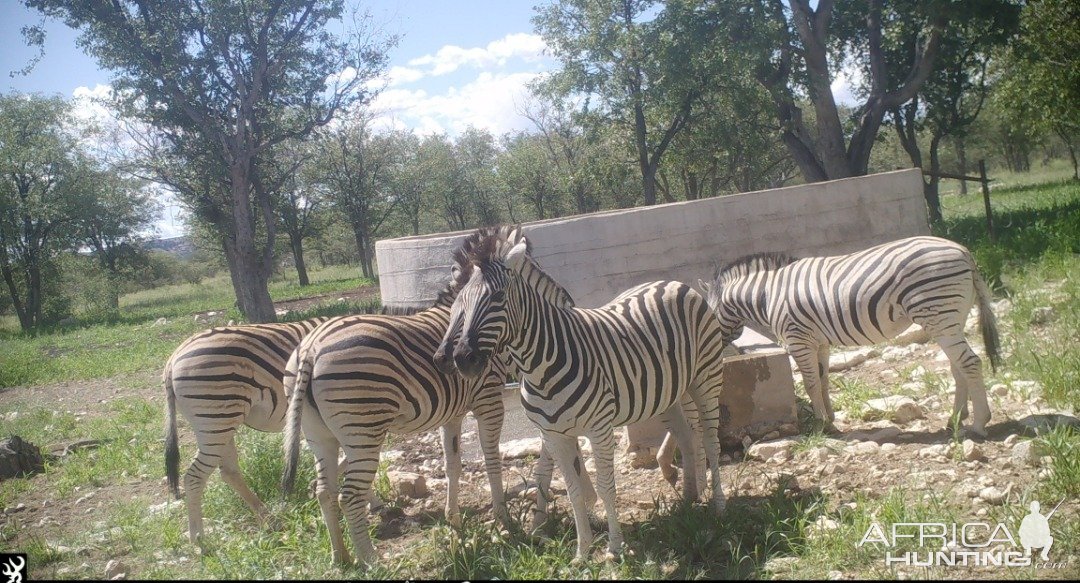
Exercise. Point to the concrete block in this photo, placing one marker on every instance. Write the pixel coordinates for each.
(758, 397)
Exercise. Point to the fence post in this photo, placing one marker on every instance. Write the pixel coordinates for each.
(986, 200)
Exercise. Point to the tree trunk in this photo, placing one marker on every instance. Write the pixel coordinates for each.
(961, 154)
(25, 322)
(249, 278)
(930, 187)
(362, 250)
(297, 244)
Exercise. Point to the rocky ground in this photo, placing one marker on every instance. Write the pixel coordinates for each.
(893, 401)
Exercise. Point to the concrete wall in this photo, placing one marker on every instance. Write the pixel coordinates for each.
(596, 256)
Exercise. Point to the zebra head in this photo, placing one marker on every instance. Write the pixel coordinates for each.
(731, 326)
(479, 316)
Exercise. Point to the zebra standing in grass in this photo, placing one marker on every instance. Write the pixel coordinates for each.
(862, 298)
(220, 379)
(587, 371)
(363, 377)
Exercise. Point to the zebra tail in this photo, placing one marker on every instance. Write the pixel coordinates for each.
(988, 323)
(300, 391)
(172, 447)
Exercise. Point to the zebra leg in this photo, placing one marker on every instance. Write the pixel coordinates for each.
(960, 398)
(675, 421)
(964, 359)
(451, 439)
(806, 357)
(708, 402)
(545, 465)
(489, 421)
(212, 447)
(230, 473)
(603, 444)
(823, 374)
(361, 465)
(325, 448)
(565, 451)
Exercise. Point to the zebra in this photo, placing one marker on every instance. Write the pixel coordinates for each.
(363, 377)
(220, 379)
(861, 298)
(587, 371)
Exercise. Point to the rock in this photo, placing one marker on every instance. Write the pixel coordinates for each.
(747, 442)
(999, 390)
(888, 446)
(824, 523)
(767, 449)
(163, 507)
(1024, 454)
(1011, 440)
(1026, 388)
(771, 436)
(159, 322)
(408, 484)
(972, 451)
(846, 360)
(1042, 315)
(897, 409)
(917, 373)
(915, 334)
(643, 457)
(931, 451)
(520, 448)
(835, 576)
(19, 458)
(15, 509)
(781, 564)
(992, 495)
(1042, 423)
(115, 569)
(864, 448)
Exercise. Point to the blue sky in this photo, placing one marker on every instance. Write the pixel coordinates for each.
(458, 63)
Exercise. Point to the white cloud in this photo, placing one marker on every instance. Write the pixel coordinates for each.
(847, 78)
(489, 102)
(529, 47)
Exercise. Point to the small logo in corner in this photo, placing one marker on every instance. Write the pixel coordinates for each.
(13, 566)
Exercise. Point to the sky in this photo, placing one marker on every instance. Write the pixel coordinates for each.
(458, 63)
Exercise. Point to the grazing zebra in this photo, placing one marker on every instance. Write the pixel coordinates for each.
(587, 371)
(363, 377)
(220, 379)
(862, 298)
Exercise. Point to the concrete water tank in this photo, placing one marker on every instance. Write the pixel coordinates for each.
(596, 256)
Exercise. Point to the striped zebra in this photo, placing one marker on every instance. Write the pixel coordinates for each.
(219, 380)
(862, 298)
(363, 377)
(587, 371)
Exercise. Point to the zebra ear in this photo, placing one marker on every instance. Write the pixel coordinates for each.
(704, 285)
(515, 258)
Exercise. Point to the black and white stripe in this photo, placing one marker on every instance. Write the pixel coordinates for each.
(219, 380)
(862, 298)
(363, 377)
(587, 371)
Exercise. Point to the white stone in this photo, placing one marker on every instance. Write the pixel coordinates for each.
(992, 495)
(898, 409)
(917, 373)
(408, 484)
(888, 446)
(1024, 454)
(767, 449)
(864, 448)
(519, 448)
(114, 569)
(846, 360)
(972, 451)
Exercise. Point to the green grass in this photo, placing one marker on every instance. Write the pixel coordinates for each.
(133, 341)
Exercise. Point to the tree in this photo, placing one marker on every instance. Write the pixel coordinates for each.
(42, 178)
(647, 74)
(474, 154)
(793, 45)
(953, 95)
(1043, 76)
(298, 202)
(353, 167)
(564, 141)
(237, 78)
(117, 211)
(528, 176)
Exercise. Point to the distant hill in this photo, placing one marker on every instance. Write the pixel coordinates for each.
(181, 246)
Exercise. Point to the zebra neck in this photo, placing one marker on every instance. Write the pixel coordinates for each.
(539, 335)
(751, 302)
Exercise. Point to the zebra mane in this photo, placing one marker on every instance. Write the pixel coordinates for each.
(751, 263)
(492, 244)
